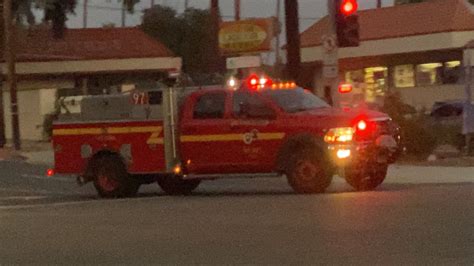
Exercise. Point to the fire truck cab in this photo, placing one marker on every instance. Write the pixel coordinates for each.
(179, 137)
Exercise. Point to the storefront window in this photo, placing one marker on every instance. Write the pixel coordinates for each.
(428, 74)
(404, 76)
(452, 72)
(355, 76)
(375, 79)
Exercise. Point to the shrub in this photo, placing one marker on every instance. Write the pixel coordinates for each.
(417, 136)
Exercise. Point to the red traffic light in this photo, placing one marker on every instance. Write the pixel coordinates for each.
(345, 87)
(349, 7)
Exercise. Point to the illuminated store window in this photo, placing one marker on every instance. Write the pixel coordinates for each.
(452, 72)
(404, 76)
(376, 82)
(428, 74)
(355, 76)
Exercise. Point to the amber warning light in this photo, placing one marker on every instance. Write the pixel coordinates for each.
(345, 88)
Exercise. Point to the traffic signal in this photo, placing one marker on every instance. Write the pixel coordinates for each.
(347, 23)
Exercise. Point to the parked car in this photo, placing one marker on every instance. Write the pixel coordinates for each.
(447, 109)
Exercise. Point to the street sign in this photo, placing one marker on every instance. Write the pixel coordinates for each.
(330, 71)
(329, 42)
(243, 62)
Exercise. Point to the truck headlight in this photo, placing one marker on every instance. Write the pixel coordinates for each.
(339, 135)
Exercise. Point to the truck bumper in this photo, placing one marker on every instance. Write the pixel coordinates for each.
(384, 150)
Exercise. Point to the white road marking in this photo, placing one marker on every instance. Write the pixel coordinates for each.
(23, 198)
(39, 191)
(71, 203)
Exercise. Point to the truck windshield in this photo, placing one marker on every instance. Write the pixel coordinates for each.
(295, 100)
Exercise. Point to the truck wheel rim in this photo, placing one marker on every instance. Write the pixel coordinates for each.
(306, 170)
(107, 184)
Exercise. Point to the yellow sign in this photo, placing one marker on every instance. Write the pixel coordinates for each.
(245, 36)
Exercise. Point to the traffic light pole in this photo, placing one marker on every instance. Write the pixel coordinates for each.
(11, 75)
(330, 62)
(293, 38)
(2, 115)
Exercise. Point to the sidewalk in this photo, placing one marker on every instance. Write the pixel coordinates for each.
(31, 152)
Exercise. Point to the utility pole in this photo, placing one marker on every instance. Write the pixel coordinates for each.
(215, 36)
(277, 43)
(186, 5)
(11, 77)
(379, 3)
(468, 110)
(330, 61)
(293, 38)
(152, 4)
(237, 9)
(84, 23)
(123, 13)
(2, 115)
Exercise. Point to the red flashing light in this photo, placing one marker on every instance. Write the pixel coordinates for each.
(349, 7)
(345, 88)
(50, 172)
(254, 82)
(362, 125)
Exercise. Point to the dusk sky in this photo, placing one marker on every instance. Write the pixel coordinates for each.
(108, 11)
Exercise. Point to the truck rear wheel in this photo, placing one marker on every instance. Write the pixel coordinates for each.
(173, 185)
(305, 162)
(109, 174)
(363, 178)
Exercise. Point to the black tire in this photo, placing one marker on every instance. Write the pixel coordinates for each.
(174, 185)
(364, 178)
(109, 173)
(305, 162)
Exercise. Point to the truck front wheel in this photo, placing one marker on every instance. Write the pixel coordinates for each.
(305, 162)
(363, 178)
(109, 173)
(173, 185)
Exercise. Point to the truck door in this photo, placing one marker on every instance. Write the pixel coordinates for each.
(205, 134)
(255, 120)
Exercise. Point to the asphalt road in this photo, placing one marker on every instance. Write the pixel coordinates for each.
(240, 221)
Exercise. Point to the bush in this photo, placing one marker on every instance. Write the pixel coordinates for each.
(418, 136)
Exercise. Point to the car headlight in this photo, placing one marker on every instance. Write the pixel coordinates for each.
(339, 135)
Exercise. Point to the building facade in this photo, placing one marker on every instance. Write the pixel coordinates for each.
(414, 49)
(85, 61)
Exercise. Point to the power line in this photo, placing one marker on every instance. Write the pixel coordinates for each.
(98, 7)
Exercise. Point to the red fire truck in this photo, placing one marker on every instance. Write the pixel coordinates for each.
(179, 137)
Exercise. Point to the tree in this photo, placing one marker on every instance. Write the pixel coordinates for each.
(56, 12)
(187, 35)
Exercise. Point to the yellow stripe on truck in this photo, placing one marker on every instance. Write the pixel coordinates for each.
(77, 131)
(209, 138)
(230, 137)
(270, 136)
(105, 130)
(156, 131)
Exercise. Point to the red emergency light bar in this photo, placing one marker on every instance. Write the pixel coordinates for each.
(255, 82)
